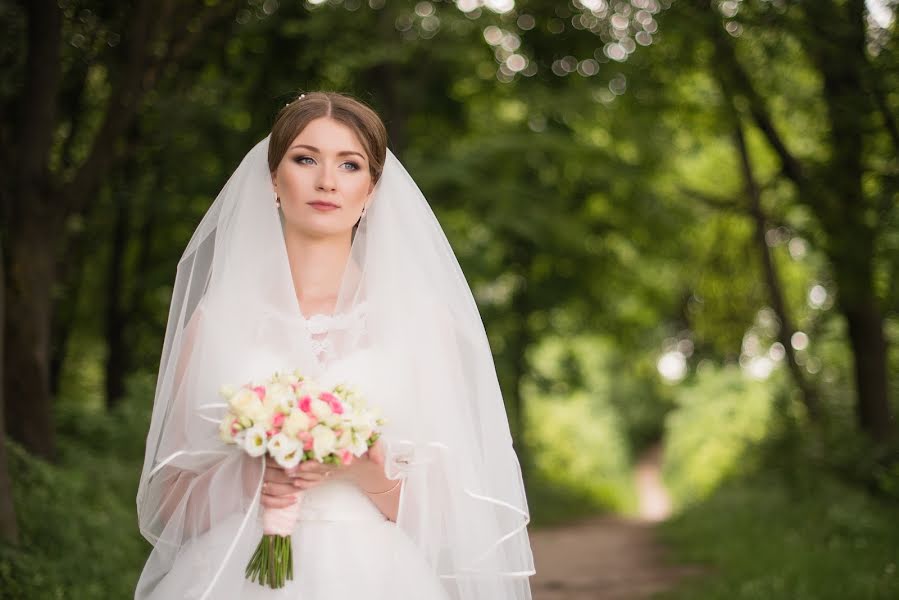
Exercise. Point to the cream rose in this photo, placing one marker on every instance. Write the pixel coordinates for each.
(295, 423)
(323, 441)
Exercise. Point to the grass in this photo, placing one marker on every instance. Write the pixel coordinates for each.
(811, 538)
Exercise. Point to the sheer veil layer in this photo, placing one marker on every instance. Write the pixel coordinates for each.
(403, 299)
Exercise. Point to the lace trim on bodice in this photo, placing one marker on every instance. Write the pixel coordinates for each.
(321, 324)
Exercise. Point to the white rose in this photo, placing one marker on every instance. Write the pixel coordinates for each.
(254, 442)
(345, 440)
(320, 408)
(323, 441)
(243, 401)
(296, 422)
(225, 428)
(279, 396)
(260, 414)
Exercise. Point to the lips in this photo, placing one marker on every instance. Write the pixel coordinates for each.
(323, 205)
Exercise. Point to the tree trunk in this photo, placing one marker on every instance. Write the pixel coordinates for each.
(869, 354)
(9, 530)
(517, 344)
(31, 272)
(834, 39)
(116, 349)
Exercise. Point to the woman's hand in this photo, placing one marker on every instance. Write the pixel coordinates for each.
(281, 486)
(278, 490)
(367, 471)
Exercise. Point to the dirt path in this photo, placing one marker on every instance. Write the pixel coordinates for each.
(609, 557)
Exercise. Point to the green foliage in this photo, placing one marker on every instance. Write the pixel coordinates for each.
(577, 438)
(720, 418)
(768, 539)
(77, 520)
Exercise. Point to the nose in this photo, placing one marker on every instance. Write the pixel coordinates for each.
(325, 180)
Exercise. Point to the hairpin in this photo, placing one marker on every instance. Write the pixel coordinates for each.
(300, 97)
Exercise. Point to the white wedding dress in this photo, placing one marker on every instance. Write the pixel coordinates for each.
(343, 546)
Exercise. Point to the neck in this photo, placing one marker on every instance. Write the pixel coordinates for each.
(316, 267)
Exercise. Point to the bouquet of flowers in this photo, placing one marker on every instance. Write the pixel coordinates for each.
(293, 419)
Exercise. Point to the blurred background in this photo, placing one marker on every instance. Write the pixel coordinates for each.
(678, 217)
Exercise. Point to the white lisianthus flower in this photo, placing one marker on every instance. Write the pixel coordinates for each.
(320, 408)
(291, 458)
(296, 422)
(360, 444)
(226, 391)
(254, 442)
(323, 441)
(281, 443)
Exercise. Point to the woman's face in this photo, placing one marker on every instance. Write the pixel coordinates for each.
(323, 180)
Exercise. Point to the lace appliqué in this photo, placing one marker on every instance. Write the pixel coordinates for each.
(320, 325)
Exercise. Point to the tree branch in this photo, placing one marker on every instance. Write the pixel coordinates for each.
(733, 75)
(120, 107)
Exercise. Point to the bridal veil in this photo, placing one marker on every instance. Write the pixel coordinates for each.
(234, 317)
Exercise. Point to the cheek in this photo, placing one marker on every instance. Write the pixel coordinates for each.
(360, 189)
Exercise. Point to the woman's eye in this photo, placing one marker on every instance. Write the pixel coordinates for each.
(301, 159)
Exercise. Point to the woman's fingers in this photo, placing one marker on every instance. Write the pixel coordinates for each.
(270, 462)
(277, 501)
(277, 476)
(278, 489)
(305, 484)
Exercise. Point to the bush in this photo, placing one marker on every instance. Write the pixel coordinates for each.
(77, 518)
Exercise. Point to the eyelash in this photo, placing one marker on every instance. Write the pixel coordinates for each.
(298, 160)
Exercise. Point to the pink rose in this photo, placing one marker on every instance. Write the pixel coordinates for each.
(306, 404)
(346, 457)
(333, 402)
(278, 420)
(260, 391)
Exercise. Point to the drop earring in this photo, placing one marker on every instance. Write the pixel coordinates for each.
(278, 202)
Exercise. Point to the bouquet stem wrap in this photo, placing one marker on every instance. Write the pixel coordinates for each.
(272, 562)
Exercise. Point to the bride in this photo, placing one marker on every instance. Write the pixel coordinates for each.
(321, 254)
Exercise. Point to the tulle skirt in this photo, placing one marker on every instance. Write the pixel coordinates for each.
(343, 547)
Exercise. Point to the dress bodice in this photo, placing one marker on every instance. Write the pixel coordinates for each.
(340, 499)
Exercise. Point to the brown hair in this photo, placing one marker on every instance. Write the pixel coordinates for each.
(353, 113)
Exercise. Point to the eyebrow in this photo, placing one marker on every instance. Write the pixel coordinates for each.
(314, 149)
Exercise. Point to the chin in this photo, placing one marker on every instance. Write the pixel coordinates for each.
(322, 231)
